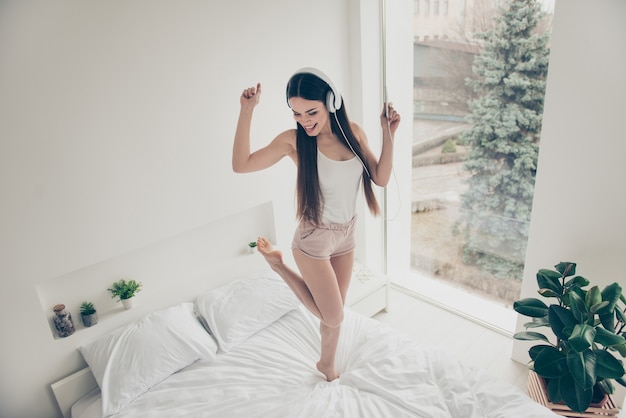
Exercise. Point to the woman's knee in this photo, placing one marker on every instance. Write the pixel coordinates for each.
(334, 320)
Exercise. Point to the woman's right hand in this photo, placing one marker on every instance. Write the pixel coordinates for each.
(250, 96)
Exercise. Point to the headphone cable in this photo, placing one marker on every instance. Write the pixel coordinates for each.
(393, 171)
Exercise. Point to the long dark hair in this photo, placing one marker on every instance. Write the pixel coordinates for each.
(310, 201)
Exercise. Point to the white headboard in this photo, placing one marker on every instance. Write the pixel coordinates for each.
(73, 387)
(174, 270)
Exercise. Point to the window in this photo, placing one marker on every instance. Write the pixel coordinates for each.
(471, 199)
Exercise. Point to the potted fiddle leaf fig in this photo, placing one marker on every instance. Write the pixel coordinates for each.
(583, 357)
(125, 291)
(88, 314)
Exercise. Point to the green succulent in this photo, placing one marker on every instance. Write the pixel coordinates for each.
(87, 308)
(123, 289)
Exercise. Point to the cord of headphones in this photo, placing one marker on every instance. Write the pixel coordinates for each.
(348, 142)
(393, 171)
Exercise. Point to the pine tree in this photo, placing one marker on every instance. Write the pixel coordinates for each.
(504, 139)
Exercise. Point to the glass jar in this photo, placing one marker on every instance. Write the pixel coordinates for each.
(63, 321)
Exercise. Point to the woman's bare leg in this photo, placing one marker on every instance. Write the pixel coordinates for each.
(321, 290)
(295, 282)
(320, 278)
(342, 266)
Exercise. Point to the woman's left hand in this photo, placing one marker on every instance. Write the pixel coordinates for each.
(390, 118)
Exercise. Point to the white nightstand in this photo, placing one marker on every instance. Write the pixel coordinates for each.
(368, 292)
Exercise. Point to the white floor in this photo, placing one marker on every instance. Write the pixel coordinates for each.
(474, 344)
(490, 313)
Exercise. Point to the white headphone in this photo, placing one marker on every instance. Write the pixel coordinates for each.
(333, 99)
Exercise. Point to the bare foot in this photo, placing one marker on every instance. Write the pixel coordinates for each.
(272, 256)
(329, 372)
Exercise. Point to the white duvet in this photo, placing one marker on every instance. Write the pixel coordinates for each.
(383, 374)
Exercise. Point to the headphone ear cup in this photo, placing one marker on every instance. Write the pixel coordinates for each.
(330, 102)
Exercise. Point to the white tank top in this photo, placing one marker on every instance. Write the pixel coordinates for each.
(339, 183)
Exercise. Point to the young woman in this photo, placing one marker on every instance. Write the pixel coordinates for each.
(333, 160)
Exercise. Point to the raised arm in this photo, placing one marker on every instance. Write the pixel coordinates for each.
(245, 161)
(380, 168)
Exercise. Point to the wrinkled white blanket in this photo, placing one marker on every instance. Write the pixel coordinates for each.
(383, 374)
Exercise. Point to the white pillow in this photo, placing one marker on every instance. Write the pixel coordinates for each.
(236, 311)
(132, 359)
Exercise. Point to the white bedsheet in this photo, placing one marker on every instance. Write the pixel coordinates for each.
(383, 374)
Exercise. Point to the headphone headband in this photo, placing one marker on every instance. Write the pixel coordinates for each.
(333, 100)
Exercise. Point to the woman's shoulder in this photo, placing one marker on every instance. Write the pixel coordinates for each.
(287, 137)
(355, 126)
(286, 140)
(358, 131)
(289, 134)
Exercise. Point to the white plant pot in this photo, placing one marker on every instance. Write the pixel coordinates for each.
(128, 303)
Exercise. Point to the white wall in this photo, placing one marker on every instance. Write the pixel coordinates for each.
(116, 126)
(579, 203)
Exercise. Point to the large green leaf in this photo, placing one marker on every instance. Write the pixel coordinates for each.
(561, 321)
(537, 322)
(530, 336)
(577, 281)
(605, 386)
(532, 307)
(611, 294)
(550, 363)
(549, 279)
(621, 315)
(554, 391)
(582, 337)
(534, 351)
(578, 307)
(582, 366)
(576, 291)
(566, 268)
(595, 308)
(620, 349)
(574, 395)
(607, 338)
(607, 366)
(607, 320)
(548, 293)
(593, 296)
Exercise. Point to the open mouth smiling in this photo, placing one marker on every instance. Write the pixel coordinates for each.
(309, 129)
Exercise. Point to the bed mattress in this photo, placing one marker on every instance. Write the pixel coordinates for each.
(384, 373)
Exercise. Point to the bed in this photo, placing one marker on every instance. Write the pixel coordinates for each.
(248, 349)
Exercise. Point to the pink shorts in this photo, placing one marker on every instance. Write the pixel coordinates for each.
(326, 240)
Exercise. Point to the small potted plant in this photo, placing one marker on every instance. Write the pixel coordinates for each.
(589, 326)
(252, 246)
(125, 291)
(88, 314)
